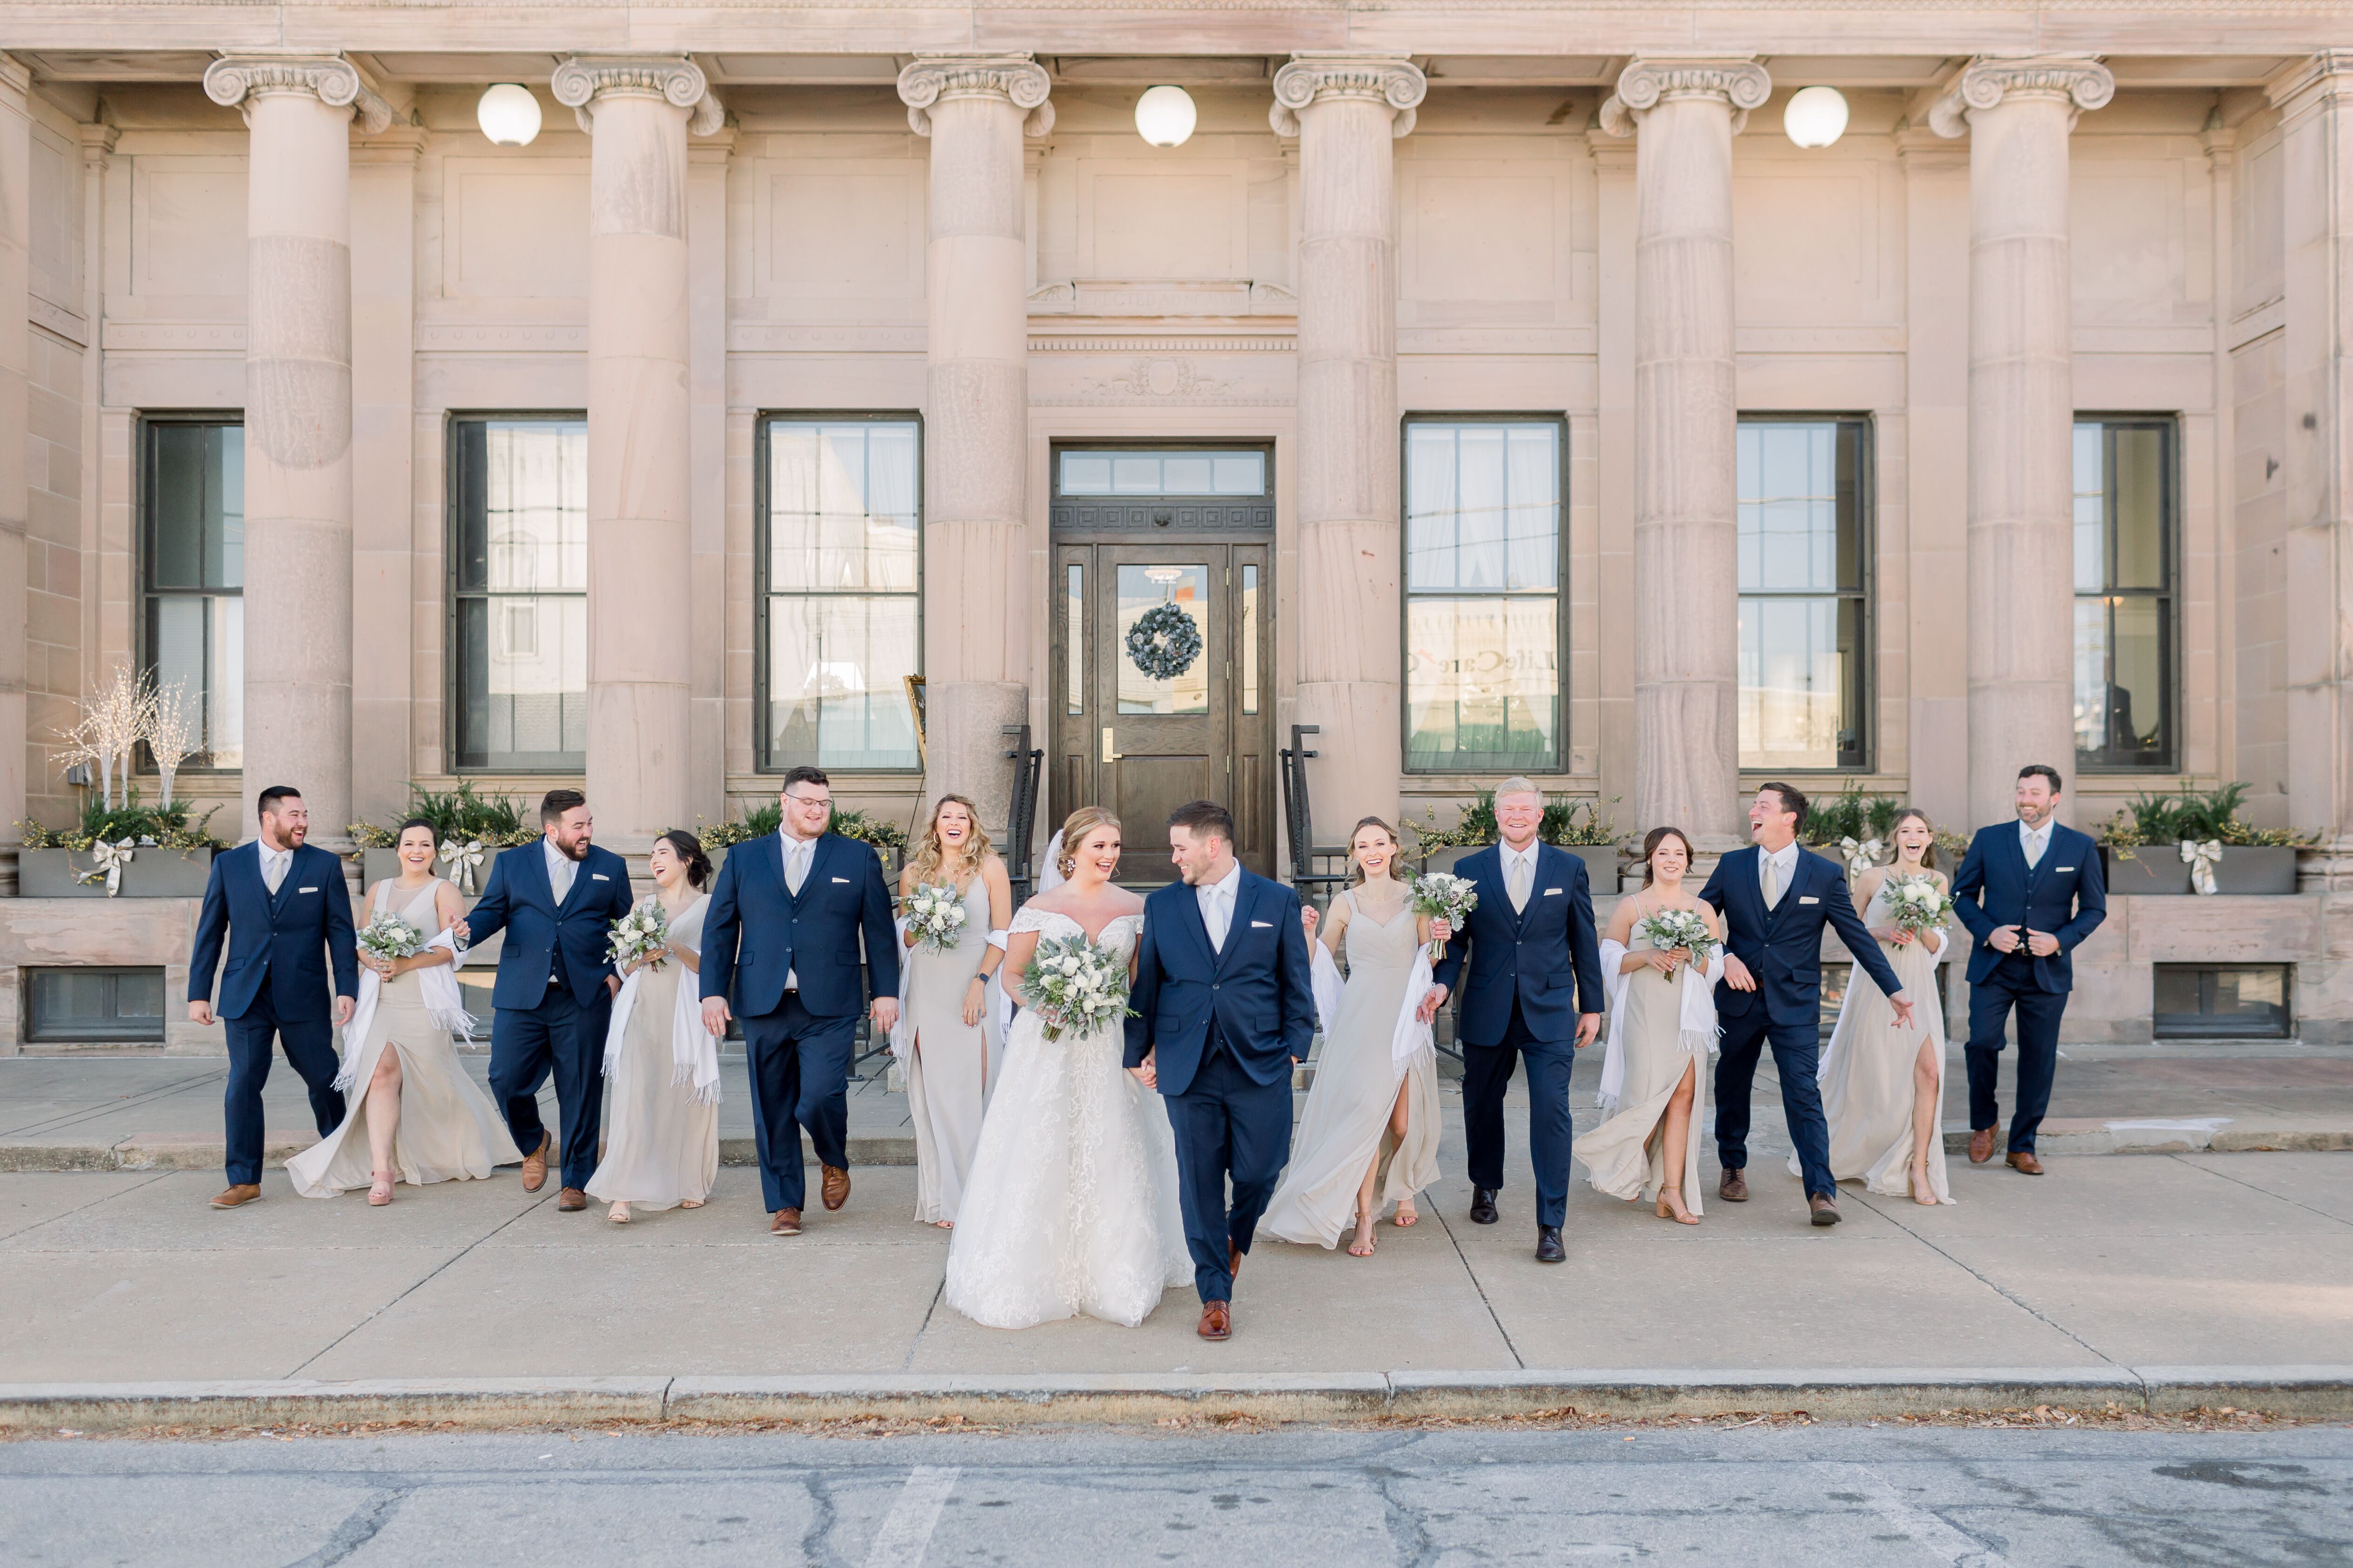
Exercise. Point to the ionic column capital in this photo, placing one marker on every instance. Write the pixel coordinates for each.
(582, 79)
(233, 81)
(1018, 79)
(1312, 75)
(2078, 80)
(1739, 81)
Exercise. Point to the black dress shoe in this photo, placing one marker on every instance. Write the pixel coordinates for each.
(1482, 1206)
(1548, 1247)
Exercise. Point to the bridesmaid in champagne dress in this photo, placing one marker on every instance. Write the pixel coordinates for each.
(1882, 1085)
(661, 1138)
(421, 1119)
(1369, 1136)
(947, 1042)
(1661, 1031)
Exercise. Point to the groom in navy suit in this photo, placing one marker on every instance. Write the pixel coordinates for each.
(280, 903)
(556, 901)
(780, 951)
(2030, 893)
(1534, 990)
(1774, 898)
(1222, 1010)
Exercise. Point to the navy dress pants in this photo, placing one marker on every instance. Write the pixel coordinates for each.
(561, 1037)
(1796, 1055)
(1486, 1072)
(310, 1046)
(2012, 985)
(1226, 1124)
(799, 1064)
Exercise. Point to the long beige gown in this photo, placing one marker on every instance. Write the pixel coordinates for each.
(661, 1144)
(449, 1129)
(1625, 1156)
(1346, 1121)
(952, 1067)
(1866, 1071)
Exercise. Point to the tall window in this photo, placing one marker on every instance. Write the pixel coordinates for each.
(1804, 652)
(1483, 624)
(192, 553)
(2124, 593)
(840, 613)
(519, 553)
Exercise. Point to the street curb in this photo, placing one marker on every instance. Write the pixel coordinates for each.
(2316, 1392)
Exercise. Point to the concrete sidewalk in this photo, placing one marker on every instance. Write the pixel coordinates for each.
(87, 1112)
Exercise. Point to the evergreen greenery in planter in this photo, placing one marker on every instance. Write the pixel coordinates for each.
(458, 814)
(80, 869)
(1573, 823)
(2163, 822)
(758, 822)
(1867, 819)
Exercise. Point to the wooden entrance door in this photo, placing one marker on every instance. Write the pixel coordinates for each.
(1141, 745)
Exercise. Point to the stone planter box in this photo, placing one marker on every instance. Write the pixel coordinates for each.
(152, 873)
(2158, 870)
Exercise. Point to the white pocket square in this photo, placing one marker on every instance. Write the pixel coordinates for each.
(1552, 892)
(2064, 868)
(843, 880)
(306, 889)
(1809, 898)
(1262, 925)
(598, 877)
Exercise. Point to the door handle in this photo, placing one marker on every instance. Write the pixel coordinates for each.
(1108, 754)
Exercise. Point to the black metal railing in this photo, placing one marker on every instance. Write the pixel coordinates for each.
(1309, 860)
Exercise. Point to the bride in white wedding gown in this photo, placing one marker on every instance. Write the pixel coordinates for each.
(1071, 1205)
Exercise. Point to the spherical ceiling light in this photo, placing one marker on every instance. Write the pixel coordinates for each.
(508, 114)
(1165, 116)
(1815, 116)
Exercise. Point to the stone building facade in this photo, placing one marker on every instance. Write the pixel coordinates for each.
(1496, 388)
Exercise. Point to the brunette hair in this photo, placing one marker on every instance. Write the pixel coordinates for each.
(1913, 813)
(689, 850)
(430, 832)
(1075, 828)
(2043, 770)
(1204, 816)
(1792, 799)
(1356, 878)
(556, 802)
(803, 774)
(271, 797)
(1658, 836)
(930, 855)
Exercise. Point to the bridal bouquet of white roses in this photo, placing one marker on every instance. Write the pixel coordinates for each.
(390, 938)
(934, 915)
(1919, 904)
(1667, 929)
(642, 930)
(1442, 895)
(1074, 984)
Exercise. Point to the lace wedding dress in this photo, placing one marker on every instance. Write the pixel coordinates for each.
(1072, 1204)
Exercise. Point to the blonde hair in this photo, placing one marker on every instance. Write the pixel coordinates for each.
(1356, 878)
(1076, 828)
(1928, 855)
(931, 856)
(1517, 784)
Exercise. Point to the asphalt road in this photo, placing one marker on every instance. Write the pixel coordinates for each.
(1821, 1495)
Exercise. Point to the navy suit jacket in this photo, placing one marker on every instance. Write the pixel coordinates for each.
(1783, 946)
(1256, 987)
(2064, 893)
(1548, 955)
(757, 932)
(276, 939)
(543, 938)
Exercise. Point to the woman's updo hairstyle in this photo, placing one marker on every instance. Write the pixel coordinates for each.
(690, 853)
(431, 832)
(1076, 828)
(1658, 836)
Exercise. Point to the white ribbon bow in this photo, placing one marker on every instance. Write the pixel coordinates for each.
(2201, 860)
(111, 859)
(1860, 858)
(463, 859)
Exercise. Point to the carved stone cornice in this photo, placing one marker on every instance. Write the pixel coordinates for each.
(582, 79)
(2329, 73)
(1018, 79)
(2083, 81)
(1312, 74)
(1646, 82)
(234, 80)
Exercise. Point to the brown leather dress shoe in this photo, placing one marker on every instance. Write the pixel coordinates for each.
(1824, 1207)
(1216, 1320)
(535, 1164)
(2023, 1160)
(237, 1194)
(1233, 1260)
(1732, 1188)
(571, 1200)
(835, 1187)
(1980, 1145)
(786, 1222)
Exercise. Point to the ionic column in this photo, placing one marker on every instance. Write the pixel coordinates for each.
(299, 110)
(1684, 114)
(2020, 585)
(1346, 110)
(641, 437)
(976, 110)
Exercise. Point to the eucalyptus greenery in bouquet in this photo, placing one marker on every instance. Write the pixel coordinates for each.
(934, 915)
(390, 938)
(1443, 896)
(1074, 984)
(1668, 929)
(1919, 904)
(643, 929)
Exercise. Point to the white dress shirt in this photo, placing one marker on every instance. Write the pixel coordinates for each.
(2033, 840)
(1217, 900)
(1519, 864)
(275, 863)
(560, 869)
(796, 846)
(1784, 862)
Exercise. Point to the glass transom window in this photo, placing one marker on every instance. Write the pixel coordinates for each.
(1179, 473)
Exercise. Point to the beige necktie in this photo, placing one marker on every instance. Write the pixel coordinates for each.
(561, 880)
(796, 866)
(273, 871)
(1519, 884)
(1772, 882)
(2034, 850)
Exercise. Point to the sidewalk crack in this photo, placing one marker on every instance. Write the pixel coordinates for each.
(2003, 1291)
(1495, 1317)
(93, 1202)
(2225, 1175)
(938, 1291)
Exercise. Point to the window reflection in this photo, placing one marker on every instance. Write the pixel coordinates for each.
(195, 565)
(2123, 533)
(1800, 486)
(521, 557)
